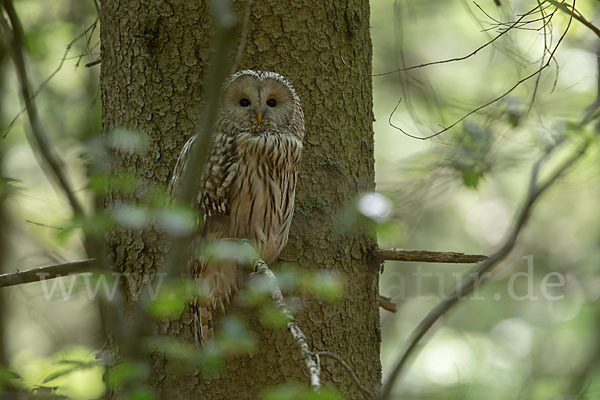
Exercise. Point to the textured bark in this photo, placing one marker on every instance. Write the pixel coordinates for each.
(154, 55)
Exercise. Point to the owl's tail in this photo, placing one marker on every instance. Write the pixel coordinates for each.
(220, 281)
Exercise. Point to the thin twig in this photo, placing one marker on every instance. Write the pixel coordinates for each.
(261, 267)
(387, 304)
(542, 61)
(47, 272)
(428, 256)
(47, 157)
(573, 12)
(382, 254)
(366, 392)
(92, 63)
(42, 86)
(474, 52)
(482, 270)
(487, 104)
(243, 37)
(43, 225)
(521, 25)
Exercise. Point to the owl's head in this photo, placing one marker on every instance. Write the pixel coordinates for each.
(261, 101)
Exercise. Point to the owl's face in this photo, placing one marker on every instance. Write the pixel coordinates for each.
(259, 102)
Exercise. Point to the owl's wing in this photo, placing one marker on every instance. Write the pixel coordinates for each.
(219, 173)
(212, 201)
(217, 176)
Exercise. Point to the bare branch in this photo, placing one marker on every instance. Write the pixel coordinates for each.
(261, 267)
(543, 58)
(366, 392)
(92, 63)
(89, 30)
(387, 304)
(243, 37)
(47, 272)
(428, 256)
(474, 52)
(574, 13)
(494, 100)
(82, 266)
(47, 157)
(479, 272)
(520, 25)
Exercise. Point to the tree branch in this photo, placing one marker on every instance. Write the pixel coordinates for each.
(494, 100)
(366, 392)
(428, 256)
(87, 31)
(77, 267)
(573, 12)
(243, 37)
(387, 304)
(479, 272)
(461, 58)
(47, 272)
(309, 359)
(47, 157)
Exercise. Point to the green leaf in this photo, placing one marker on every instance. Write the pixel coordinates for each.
(127, 371)
(257, 292)
(65, 232)
(471, 177)
(122, 183)
(8, 375)
(212, 359)
(234, 337)
(77, 365)
(58, 374)
(325, 285)
(178, 221)
(288, 277)
(209, 357)
(174, 349)
(171, 300)
(225, 250)
(272, 317)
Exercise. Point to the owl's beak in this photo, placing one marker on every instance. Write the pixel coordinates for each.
(259, 117)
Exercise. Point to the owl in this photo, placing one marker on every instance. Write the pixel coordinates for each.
(248, 182)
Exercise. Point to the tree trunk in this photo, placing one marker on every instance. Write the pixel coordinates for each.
(154, 56)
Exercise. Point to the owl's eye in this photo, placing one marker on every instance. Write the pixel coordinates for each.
(271, 102)
(244, 102)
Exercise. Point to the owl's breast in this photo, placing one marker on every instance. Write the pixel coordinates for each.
(263, 207)
(280, 148)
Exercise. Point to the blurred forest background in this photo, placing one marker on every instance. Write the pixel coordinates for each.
(458, 191)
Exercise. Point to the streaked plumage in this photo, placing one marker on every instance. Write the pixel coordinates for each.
(248, 182)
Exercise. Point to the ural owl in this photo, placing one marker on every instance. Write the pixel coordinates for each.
(248, 181)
